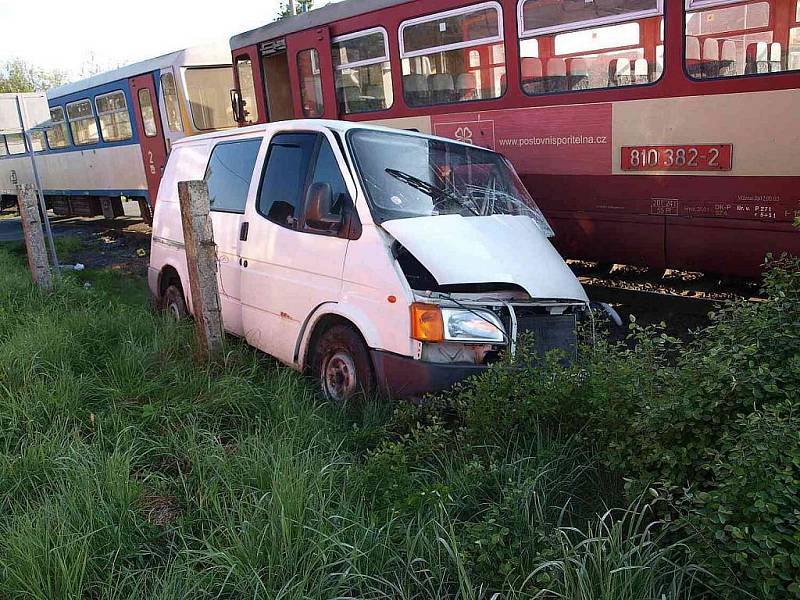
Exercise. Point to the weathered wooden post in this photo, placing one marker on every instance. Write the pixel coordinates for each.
(201, 259)
(34, 236)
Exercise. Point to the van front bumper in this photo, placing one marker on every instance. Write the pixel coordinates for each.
(403, 377)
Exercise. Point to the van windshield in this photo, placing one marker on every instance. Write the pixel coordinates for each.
(408, 176)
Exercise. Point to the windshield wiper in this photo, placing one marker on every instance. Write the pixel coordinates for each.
(429, 189)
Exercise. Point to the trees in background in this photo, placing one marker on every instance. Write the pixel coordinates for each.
(295, 7)
(17, 76)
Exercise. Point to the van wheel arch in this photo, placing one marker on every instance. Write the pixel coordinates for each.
(323, 324)
(169, 276)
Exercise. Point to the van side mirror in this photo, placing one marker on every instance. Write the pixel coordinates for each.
(236, 105)
(319, 214)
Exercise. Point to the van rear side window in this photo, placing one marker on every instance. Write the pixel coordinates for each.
(228, 174)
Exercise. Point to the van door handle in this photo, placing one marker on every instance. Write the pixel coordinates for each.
(243, 231)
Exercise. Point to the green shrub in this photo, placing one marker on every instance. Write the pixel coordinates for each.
(711, 423)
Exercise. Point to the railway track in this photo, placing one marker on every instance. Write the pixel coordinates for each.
(681, 300)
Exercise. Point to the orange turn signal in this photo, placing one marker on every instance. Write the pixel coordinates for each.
(426, 322)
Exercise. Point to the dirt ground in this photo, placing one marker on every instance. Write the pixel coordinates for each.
(123, 245)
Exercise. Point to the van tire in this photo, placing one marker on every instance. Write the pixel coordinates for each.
(342, 366)
(174, 303)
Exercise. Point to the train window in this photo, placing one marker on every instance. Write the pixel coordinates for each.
(247, 88)
(171, 102)
(82, 123)
(453, 56)
(115, 122)
(545, 16)
(37, 141)
(3, 151)
(730, 39)
(589, 44)
(229, 172)
(57, 133)
(310, 82)
(362, 71)
(16, 143)
(209, 97)
(148, 114)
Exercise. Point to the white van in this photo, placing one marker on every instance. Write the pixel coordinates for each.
(375, 259)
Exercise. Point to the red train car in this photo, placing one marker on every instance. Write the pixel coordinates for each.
(663, 133)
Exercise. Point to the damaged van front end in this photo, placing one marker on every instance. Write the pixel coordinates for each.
(473, 249)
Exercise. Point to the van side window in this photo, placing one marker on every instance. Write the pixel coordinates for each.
(327, 171)
(228, 174)
(283, 185)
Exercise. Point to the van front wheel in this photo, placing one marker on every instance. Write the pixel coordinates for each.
(174, 303)
(342, 365)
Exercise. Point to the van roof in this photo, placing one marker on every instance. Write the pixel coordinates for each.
(299, 124)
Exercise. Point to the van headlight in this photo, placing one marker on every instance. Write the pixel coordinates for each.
(480, 326)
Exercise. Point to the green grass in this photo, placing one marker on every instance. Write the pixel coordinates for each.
(129, 471)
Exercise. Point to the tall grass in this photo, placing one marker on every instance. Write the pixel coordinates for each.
(128, 471)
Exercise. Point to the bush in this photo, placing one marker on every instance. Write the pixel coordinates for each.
(712, 424)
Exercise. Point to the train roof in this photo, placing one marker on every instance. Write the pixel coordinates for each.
(335, 11)
(209, 54)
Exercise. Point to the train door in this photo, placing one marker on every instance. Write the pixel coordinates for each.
(169, 104)
(311, 72)
(277, 84)
(151, 132)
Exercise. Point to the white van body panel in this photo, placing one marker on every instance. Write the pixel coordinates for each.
(496, 248)
(289, 273)
(186, 162)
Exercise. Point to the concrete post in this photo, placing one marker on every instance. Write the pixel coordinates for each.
(201, 259)
(34, 236)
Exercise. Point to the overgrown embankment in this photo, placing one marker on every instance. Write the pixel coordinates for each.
(127, 471)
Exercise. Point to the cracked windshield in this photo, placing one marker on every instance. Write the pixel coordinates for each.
(408, 176)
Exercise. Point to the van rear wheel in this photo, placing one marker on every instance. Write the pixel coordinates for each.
(174, 303)
(342, 365)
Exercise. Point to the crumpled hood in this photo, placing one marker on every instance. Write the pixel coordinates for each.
(490, 249)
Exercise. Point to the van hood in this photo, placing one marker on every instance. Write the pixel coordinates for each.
(488, 249)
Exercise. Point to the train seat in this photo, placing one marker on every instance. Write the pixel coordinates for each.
(415, 89)
(466, 86)
(442, 87)
(756, 58)
(375, 97)
(710, 64)
(578, 74)
(641, 71)
(693, 64)
(556, 75)
(728, 59)
(619, 72)
(532, 80)
(775, 57)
